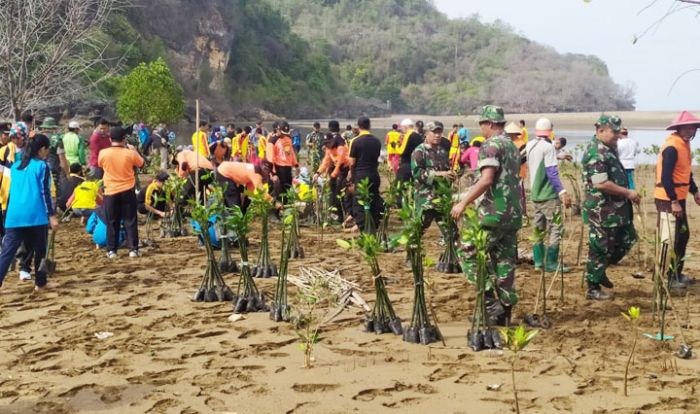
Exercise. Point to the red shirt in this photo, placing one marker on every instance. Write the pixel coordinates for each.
(97, 143)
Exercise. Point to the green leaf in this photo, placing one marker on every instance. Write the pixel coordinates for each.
(344, 244)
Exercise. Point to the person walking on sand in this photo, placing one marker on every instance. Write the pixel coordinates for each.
(607, 208)
(674, 181)
(500, 213)
(30, 211)
(118, 162)
(547, 194)
(628, 149)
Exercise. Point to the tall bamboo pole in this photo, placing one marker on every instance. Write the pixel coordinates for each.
(197, 144)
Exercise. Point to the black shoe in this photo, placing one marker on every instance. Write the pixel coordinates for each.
(687, 280)
(679, 283)
(597, 294)
(606, 282)
(494, 309)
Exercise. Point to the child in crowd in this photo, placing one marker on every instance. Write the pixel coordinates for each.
(152, 199)
(85, 198)
(97, 227)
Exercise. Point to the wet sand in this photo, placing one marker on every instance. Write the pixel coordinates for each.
(171, 355)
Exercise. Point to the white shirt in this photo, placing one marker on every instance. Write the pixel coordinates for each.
(627, 150)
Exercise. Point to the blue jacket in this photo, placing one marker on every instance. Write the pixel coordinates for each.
(30, 202)
(98, 228)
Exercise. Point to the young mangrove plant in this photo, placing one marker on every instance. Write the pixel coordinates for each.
(448, 261)
(226, 237)
(516, 339)
(312, 308)
(173, 225)
(291, 213)
(364, 197)
(391, 197)
(279, 309)
(422, 329)
(632, 317)
(48, 263)
(382, 319)
(540, 319)
(261, 207)
(475, 259)
(213, 288)
(247, 297)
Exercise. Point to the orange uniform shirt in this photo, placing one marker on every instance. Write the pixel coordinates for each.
(118, 164)
(189, 159)
(280, 151)
(337, 156)
(241, 173)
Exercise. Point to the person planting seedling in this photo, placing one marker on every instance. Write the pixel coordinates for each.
(500, 217)
(247, 298)
(516, 339)
(421, 330)
(632, 317)
(448, 262)
(382, 319)
(261, 207)
(213, 288)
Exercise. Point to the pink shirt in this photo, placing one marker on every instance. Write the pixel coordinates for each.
(471, 155)
(97, 143)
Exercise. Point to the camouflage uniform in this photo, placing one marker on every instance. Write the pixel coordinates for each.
(501, 216)
(425, 161)
(316, 149)
(611, 230)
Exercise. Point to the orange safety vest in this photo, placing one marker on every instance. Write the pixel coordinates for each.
(681, 174)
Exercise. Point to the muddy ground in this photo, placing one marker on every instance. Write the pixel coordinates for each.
(171, 355)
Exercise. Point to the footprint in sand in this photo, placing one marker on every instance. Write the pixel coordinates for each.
(310, 388)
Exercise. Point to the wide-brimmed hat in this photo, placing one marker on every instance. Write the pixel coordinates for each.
(48, 123)
(612, 121)
(512, 128)
(492, 113)
(683, 119)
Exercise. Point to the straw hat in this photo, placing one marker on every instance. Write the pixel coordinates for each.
(512, 128)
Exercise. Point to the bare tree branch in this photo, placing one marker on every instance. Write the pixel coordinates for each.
(49, 50)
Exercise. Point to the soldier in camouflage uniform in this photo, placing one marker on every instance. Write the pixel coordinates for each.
(607, 208)
(314, 142)
(430, 163)
(500, 213)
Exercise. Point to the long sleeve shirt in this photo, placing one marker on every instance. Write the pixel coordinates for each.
(334, 160)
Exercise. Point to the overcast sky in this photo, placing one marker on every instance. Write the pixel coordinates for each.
(606, 28)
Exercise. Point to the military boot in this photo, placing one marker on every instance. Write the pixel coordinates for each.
(538, 255)
(553, 260)
(596, 293)
(495, 312)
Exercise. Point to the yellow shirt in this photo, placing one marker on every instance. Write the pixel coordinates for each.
(392, 142)
(524, 134)
(203, 143)
(85, 195)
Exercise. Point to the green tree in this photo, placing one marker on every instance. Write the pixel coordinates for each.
(150, 94)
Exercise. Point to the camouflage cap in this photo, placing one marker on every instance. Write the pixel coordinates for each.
(492, 113)
(435, 126)
(612, 121)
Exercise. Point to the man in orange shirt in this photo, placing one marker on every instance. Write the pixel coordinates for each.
(239, 177)
(189, 164)
(118, 162)
(280, 153)
(336, 165)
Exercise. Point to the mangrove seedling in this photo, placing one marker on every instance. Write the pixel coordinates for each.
(475, 253)
(261, 207)
(226, 237)
(448, 261)
(173, 225)
(391, 197)
(382, 319)
(632, 317)
(312, 308)
(213, 288)
(247, 297)
(540, 319)
(364, 198)
(48, 263)
(279, 308)
(291, 213)
(422, 329)
(516, 339)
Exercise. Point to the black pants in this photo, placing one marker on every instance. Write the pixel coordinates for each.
(121, 207)
(341, 203)
(285, 176)
(682, 232)
(35, 239)
(189, 191)
(232, 194)
(376, 207)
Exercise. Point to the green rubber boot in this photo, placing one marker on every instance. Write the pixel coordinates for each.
(553, 260)
(538, 255)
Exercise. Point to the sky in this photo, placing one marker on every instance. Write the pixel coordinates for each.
(606, 28)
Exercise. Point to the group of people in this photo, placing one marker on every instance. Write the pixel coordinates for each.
(501, 158)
